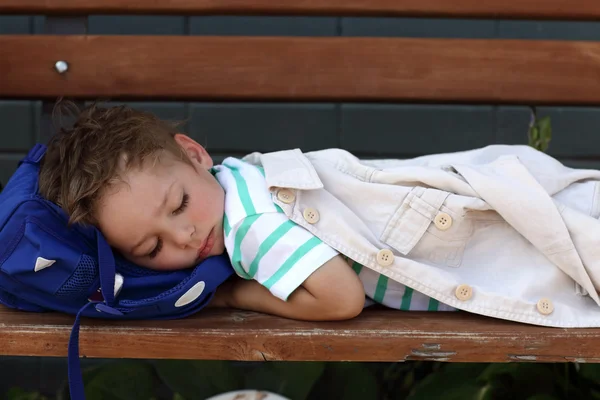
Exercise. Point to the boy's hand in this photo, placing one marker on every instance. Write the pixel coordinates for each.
(333, 292)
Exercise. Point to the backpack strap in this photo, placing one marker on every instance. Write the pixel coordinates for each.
(106, 267)
(35, 154)
(76, 388)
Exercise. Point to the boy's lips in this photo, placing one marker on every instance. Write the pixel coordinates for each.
(204, 251)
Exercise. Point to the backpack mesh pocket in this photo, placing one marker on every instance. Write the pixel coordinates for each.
(78, 285)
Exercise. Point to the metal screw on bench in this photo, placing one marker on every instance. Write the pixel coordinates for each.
(61, 67)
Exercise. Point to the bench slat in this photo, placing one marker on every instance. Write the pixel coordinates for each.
(522, 9)
(376, 335)
(302, 69)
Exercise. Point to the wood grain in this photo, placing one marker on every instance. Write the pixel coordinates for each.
(522, 9)
(376, 335)
(302, 69)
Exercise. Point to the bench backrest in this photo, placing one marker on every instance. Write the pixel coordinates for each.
(344, 69)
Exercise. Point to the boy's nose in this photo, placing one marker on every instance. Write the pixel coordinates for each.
(185, 235)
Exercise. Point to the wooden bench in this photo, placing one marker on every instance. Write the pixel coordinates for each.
(324, 69)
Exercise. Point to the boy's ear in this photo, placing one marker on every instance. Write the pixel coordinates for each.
(197, 154)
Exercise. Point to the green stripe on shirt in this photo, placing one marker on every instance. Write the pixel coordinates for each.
(269, 242)
(236, 258)
(433, 305)
(226, 225)
(292, 260)
(406, 299)
(357, 267)
(381, 288)
(242, 189)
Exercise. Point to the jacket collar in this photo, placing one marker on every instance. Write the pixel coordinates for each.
(288, 169)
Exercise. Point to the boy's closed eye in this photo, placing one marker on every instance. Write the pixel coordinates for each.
(156, 249)
(184, 203)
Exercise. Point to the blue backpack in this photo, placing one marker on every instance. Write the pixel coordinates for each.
(46, 265)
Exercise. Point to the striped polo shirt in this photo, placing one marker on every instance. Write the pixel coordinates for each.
(263, 244)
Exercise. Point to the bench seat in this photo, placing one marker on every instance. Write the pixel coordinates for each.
(378, 334)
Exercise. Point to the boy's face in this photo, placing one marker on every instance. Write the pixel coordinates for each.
(166, 216)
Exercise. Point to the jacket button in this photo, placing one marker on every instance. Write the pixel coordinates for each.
(286, 196)
(463, 292)
(443, 221)
(385, 257)
(311, 215)
(545, 306)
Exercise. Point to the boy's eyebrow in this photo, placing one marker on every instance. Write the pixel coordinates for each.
(155, 214)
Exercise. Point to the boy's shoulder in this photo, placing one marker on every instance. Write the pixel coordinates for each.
(239, 168)
(238, 163)
(242, 179)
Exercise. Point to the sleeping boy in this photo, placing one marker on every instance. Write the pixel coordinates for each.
(503, 231)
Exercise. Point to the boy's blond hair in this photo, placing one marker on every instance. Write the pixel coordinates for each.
(84, 160)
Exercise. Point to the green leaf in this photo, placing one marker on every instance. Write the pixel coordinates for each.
(545, 127)
(534, 376)
(540, 133)
(496, 369)
(121, 380)
(534, 135)
(294, 380)
(522, 379)
(451, 382)
(194, 379)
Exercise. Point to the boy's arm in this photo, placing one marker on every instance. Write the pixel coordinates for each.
(332, 292)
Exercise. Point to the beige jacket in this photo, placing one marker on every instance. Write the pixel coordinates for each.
(503, 231)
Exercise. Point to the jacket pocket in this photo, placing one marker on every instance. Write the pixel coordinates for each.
(430, 226)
